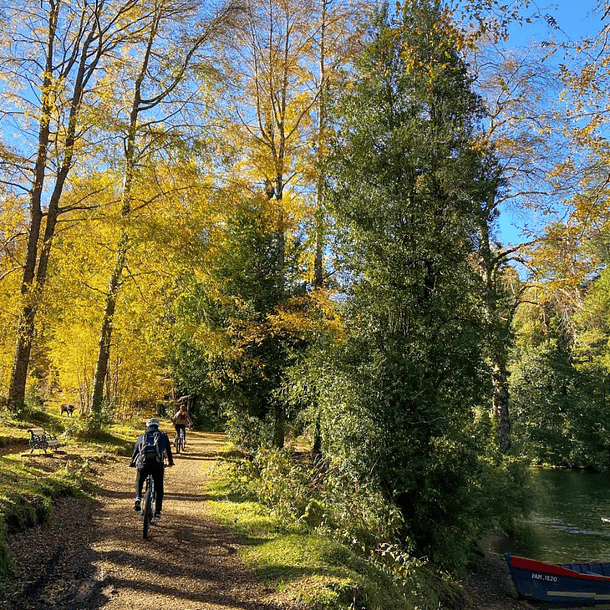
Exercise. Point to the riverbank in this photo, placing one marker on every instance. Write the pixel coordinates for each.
(489, 586)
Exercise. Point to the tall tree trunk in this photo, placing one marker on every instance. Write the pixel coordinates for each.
(29, 292)
(279, 430)
(137, 106)
(21, 359)
(105, 340)
(319, 217)
(319, 220)
(25, 330)
(499, 311)
(103, 357)
(37, 262)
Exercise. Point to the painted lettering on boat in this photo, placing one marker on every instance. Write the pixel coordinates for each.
(545, 577)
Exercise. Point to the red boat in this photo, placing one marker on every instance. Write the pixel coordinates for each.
(567, 583)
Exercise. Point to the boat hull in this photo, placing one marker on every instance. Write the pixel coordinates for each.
(577, 583)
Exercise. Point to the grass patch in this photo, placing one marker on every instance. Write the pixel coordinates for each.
(117, 440)
(13, 431)
(314, 569)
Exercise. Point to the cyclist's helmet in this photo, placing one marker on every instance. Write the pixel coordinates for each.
(153, 423)
(182, 400)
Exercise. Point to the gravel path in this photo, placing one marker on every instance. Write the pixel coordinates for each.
(92, 556)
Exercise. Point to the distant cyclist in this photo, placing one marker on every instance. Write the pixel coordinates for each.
(182, 417)
(148, 456)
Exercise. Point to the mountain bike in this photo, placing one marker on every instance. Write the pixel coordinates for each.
(148, 503)
(179, 441)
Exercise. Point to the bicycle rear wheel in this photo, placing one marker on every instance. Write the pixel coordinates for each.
(147, 510)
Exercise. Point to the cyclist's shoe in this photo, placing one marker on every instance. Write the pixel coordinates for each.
(137, 507)
(156, 517)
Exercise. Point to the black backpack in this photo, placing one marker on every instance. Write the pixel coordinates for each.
(151, 452)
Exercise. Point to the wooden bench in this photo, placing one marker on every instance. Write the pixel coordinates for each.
(39, 439)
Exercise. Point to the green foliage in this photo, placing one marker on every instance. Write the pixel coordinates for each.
(323, 575)
(193, 371)
(277, 480)
(356, 512)
(87, 426)
(299, 489)
(241, 355)
(248, 432)
(560, 410)
(559, 371)
(543, 389)
(320, 572)
(404, 445)
(32, 404)
(312, 494)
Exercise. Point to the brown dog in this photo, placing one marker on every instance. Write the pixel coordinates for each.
(68, 409)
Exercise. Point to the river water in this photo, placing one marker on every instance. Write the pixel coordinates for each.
(566, 524)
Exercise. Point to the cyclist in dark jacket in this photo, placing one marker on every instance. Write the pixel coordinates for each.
(154, 466)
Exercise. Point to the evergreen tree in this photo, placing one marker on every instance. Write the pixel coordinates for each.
(408, 182)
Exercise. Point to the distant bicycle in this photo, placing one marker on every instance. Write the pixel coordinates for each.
(179, 441)
(148, 504)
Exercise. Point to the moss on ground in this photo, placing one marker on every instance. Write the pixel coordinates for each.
(28, 491)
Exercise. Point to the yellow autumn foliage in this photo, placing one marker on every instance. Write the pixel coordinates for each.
(303, 317)
(12, 236)
(163, 238)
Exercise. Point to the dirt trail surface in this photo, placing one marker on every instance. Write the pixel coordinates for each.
(92, 555)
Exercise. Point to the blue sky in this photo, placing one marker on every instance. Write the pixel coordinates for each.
(576, 20)
(574, 17)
